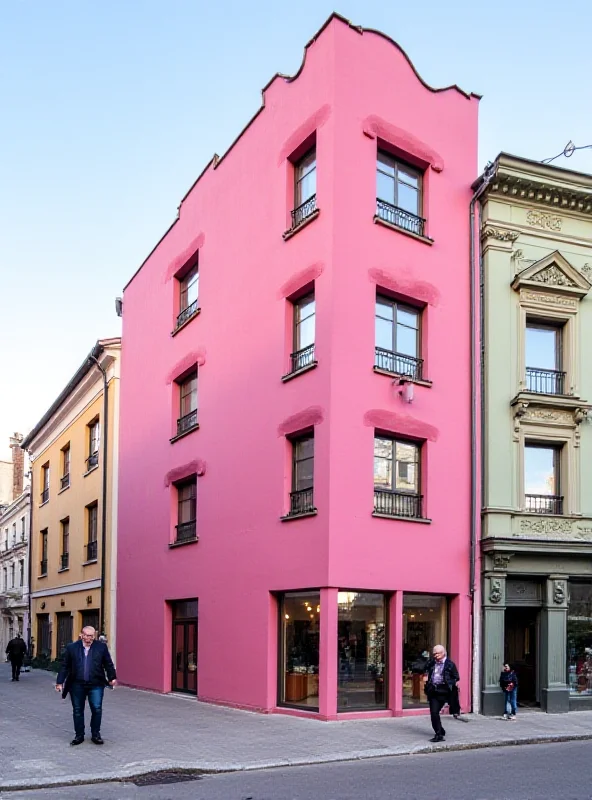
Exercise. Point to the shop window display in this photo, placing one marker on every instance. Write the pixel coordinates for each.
(425, 624)
(300, 614)
(579, 639)
(361, 651)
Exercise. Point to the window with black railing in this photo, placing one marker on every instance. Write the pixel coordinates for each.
(91, 551)
(92, 515)
(545, 381)
(302, 494)
(45, 495)
(397, 338)
(303, 333)
(188, 295)
(186, 529)
(305, 188)
(397, 478)
(399, 194)
(188, 404)
(43, 567)
(64, 560)
(542, 479)
(45, 483)
(43, 544)
(64, 481)
(94, 434)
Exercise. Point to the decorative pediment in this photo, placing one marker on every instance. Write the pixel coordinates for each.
(554, 273)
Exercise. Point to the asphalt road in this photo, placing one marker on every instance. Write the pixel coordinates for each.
(528, 772)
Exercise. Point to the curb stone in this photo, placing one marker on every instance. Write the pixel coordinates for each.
(127, 774)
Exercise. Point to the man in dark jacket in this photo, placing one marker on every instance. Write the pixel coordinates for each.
(16, 651)
(440, 686)
(86, 669)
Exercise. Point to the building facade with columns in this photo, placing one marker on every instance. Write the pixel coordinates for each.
(536, 546)
(14, 570)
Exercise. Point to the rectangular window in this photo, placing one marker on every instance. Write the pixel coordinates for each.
(397, 338)
(544, 367)
(186, 510)
(399, 194)
(43, 565)
(397, 483)
(21, 572)
(425, 624)
(301, 496)
(45, 483)
(188, 295)
(188, 404)
(23, 529)
(579, 638)
(304, 333)
(13, 534)
(542, 479)
(12, 574)
(5, 578)
(91, 547)
(65, 479)
(361, 650)
(300, 614)
(65, 556)
(305, 187)
(94, 433)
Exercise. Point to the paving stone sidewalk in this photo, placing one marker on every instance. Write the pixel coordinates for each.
(146, 732)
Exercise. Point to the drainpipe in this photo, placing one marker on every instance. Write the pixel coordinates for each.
(104, 434)
(485, 180)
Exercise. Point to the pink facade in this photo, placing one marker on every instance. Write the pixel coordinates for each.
(356, 94)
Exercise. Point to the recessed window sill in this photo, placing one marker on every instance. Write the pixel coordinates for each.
(64, 569)
(425, 239)
(185, 433)
(293, 231)
(195, 314)
(64, 489)
(181, 544)
(88, 563)
(423, 520)
(296, 373)
(290, 517)
(42, 576)
(44, 503)
(389, 374)
(92, 469)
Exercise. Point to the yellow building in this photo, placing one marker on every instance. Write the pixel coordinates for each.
(74, 506)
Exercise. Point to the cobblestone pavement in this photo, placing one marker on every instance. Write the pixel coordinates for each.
(145, 732)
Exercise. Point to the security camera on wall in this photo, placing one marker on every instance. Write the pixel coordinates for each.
(119, 306)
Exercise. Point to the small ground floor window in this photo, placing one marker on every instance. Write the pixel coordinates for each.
(299, 649)
(425, 624)
(361, 651)
(579, 638)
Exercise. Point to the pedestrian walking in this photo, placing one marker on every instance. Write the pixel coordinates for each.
(16, 651)
(509, 683)
(439, 688)
(86, 668)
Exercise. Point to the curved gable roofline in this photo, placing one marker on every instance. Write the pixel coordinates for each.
(216, 160)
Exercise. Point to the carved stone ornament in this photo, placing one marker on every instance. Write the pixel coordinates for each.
(587, 271)
(501, 561)
(540, 219)
(558, 592)
(549, 415)
(546, 525)
(552, 276)
(527, 296)
(495, 590)
(519, 412)
(499, 234)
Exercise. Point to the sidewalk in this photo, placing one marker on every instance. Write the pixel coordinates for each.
(147, 732)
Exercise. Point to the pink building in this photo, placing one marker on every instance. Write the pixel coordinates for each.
(294, 529)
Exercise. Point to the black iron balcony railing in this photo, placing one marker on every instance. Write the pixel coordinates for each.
(187, 313)
(545, 381)
(64, 560)
(43, 566)
(399, 217)
(301, 502)
(398, 364)
(187, 422)
(398, 504)
(302, 358)
(186, 532)
(544, 504)
(91, 551)
(64, 481)
(45, 495)
(303, 211)
(92, 461)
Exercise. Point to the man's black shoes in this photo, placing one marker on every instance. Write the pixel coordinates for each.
(97, 739)
(77, 740)
(437, 738)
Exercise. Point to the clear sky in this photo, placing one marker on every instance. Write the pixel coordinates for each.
(111, 109)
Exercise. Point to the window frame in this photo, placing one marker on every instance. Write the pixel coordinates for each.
(300, 175)
(558, 499)
(65, 543)
(44, 551)
(301, 498)
(394, 357)
(400, 164)
(187, 483)
(92, 532)
(66, 464)
(45, 481)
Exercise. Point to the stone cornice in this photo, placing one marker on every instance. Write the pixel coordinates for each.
(538, 191)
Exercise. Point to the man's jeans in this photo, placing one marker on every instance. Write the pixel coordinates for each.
(511, 701)
(79, 692)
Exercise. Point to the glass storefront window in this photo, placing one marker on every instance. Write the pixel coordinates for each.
(361, 651)
(425, 624)
(579, 638)
(300, 614)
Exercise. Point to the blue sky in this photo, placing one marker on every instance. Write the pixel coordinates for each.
(111, 109)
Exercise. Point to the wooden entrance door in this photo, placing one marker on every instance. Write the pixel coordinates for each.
(185, 646)
(521, 644)
(64, 632)
(43, 636)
